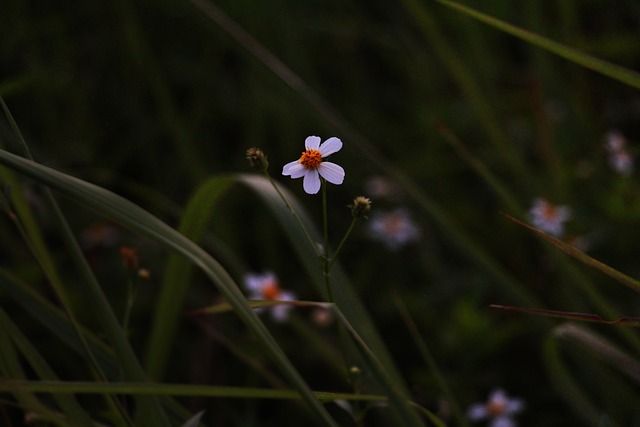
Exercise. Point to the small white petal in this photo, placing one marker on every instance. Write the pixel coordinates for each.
(514, 406)
(331, 172)
(477, 412)
(502, 422)
(292, 168)
(255, 283)
(312, 142)
(330, 146)
(280, 313)
(311, 182)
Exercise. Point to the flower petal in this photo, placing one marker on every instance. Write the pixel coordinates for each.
(311, 183)
(295, 169)
(331, 172)
(477, 412)
(312, 142)
(330, 146)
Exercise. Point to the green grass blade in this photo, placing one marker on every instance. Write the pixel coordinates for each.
(564, 382)
(169, 309)
(149, 411)
(150, 389)
(430, 362)
(56, 321)
(602, 348)
(132, 216)
(608, 69)
(194, 221)
(68, 404)
(345, 298)
(11, 367)
(467, 81)
(628, 281)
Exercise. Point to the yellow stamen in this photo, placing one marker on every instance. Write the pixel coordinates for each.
(311, 159)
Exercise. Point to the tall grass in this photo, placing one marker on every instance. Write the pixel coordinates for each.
(125, 125)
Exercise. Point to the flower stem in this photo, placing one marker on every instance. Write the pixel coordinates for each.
(326, 263)
(344, 239)
(312, 243)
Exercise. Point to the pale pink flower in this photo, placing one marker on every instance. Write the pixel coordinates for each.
(395, 228)
(311, 165)
(265, 287)
(619, 157)
(548, 217)
(499, 409)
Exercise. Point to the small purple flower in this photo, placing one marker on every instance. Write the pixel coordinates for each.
(499, 409)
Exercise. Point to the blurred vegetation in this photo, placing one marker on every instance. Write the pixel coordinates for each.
(149, 99)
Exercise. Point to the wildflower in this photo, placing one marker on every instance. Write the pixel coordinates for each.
(381, 187)
(548, 217)
(499, 409)
(311, 165)
(360, 207)
(619, 157)
(396, 228)
(266, 287)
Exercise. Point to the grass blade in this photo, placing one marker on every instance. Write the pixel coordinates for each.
(581, 256)
(68, 404)
(608, 69)
(132, 216)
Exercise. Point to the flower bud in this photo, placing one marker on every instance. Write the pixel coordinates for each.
(257, 158)
(360, 207)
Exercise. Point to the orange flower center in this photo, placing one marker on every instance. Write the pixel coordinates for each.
(549, 211)
(393, 224)
(311, 159)
(496, 408)
(271, 291)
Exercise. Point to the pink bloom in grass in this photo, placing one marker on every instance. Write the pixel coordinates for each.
(266, 287)
(548, 217)
(395, 228)
(619, 157)
(499, 409)
(311, 165)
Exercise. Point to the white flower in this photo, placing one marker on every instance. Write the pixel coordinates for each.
(548, 217)
(619, 157)
(396, 228)
(266, 287)
(499, 409)
(311, 166)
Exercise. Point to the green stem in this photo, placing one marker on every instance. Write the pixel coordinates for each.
(326, 264)
(295, 214)
(344, 239)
